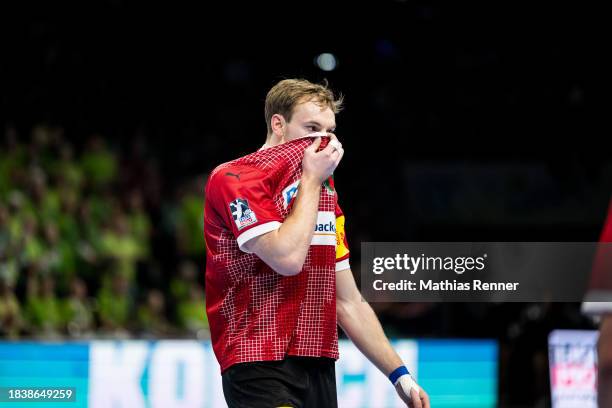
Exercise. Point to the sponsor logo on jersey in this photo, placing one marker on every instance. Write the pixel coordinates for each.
(242, 214)
(325, 229)
(329, 185)
(289, 193)
(341, 245)
(230, 174)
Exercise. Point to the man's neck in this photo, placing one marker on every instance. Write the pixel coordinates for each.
(272, 140)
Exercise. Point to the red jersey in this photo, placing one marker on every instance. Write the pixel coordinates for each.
(606, 233)
(256, 314)
(599, 297)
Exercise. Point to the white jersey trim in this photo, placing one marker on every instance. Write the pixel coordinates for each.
(342, 265)
(255, 232)
(597, 302)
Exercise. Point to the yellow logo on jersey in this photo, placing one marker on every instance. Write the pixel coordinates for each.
(341, 247)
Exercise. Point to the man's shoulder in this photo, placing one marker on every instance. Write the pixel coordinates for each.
(230, 167)
(235, 172)
(256, 165)
(240, 161)
(250, 161)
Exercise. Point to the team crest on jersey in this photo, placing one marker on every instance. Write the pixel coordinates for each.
(329, 185)
(243, 215)
(289, 193)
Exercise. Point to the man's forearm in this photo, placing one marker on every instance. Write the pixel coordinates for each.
(286, 248)
(295, 235)
(605, 362)
(361, 325)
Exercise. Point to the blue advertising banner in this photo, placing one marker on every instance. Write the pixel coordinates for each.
(185, 374)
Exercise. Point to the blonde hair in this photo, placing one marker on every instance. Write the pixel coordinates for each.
(286, 94)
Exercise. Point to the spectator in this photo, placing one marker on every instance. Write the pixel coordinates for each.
(192, 314)
(190, 222)
(115, 305)
(58, 257)
(10, 311)
(99, 163)
(78, 311)
(139, 222)
(42, 307)
(119, 244)
(180, 286)
(152, 315)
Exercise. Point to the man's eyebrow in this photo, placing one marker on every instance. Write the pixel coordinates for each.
(314, 122)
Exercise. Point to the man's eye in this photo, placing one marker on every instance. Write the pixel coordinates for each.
(313, 128)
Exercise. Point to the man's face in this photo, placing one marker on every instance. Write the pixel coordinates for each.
(308, 117)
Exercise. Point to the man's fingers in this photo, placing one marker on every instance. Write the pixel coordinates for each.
(335, 156)
(315, 144)
(416, 399)
(334, 144)
(341, 153)
(402, 394)
(329, 148)
(424, 398)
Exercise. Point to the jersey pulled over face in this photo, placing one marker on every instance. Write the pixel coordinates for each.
(256, 314)
(307, 117)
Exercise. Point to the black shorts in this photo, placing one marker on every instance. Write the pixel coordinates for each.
(298, 382)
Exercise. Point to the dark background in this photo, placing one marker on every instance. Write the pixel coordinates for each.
(461, 123)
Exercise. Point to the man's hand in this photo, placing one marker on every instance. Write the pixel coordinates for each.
(285, 249)
(413, 395)
(320, 165)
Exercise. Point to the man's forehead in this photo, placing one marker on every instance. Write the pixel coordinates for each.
(313, 112)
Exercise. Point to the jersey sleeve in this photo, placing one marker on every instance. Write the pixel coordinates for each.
(342, 249)
(242, 200)
(598, 300)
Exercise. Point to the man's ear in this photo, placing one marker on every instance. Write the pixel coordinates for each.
(278, 125)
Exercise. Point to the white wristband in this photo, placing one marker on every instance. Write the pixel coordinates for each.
(407, 383)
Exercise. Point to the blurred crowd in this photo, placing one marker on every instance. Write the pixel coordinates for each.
(91, 245)
(99, 240)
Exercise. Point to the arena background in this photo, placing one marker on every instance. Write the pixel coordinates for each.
(462, 123)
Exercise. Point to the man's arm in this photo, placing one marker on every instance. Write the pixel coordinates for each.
(361, 325)
(285, 249)
(604, 348)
